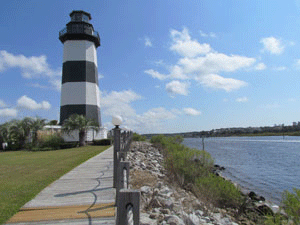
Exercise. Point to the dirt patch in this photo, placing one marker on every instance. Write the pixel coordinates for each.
(142, 178)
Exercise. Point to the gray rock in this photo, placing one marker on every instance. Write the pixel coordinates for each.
(174, 220)
(155, 203)
(154, 215)
(199, 213)
(206, 219)
(145, 189)
(159, 185)
(145, 220)
(155, 210)
(165, 211)
(166, 203)
(191, 219)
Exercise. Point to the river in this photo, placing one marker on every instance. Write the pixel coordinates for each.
(265, 165)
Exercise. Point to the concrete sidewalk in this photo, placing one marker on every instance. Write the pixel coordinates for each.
(85, 195)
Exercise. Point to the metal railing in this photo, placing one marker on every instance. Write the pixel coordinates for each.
(79, 30)
(127, 201)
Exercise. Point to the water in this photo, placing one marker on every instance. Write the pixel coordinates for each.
(265, 165)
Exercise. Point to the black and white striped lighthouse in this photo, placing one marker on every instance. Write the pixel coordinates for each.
(80, 91)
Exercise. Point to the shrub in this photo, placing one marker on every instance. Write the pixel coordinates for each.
(102, 142)
(52, 141)
(277, 219)
(220, 192)
(66, 145)
(160, 140)
(138, 137)
(291, 206)
(13, 146)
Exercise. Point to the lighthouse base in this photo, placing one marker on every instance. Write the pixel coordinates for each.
(91, 135)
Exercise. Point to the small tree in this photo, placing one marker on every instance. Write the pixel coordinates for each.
(52, 122)
(80, 123)
(20, 130)
(36, 125)
(4, 132)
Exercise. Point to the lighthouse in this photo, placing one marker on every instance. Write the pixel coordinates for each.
(80, 90)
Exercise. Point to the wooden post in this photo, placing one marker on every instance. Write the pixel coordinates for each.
(128, 198)
(122, 182)
(117, 137)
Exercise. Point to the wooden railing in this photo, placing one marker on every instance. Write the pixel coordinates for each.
(127, 201)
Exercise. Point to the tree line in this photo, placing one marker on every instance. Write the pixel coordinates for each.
(19, 133)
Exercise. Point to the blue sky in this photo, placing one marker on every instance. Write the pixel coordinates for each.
(164, 66)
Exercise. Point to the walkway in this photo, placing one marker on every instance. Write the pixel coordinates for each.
(83, 196)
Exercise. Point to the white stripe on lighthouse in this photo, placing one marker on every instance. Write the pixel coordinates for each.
(80, 93)
(80, 50)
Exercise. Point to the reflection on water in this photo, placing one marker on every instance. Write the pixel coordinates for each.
(266, 165)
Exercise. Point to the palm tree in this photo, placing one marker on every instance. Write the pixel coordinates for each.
(5, 133)
(20, 130)
(80, 123)
(36, 125)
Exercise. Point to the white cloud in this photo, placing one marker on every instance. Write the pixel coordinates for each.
(219, 82)
(272, 45)
(176, 111)
(148, 42)
(156, 74)
(297, 63)
(292, 99)
(118, 103)
(2, 104)
(153, 120)
(260, 66)
(201, 63)
(56, 84)
(243, 99)
(215, 63)
(191, 112)
(177, 87)
(271, 106)
(185, 46)
(158, 114)
(176, 72)
(280, 68)
(8, 112)
(100, 76)
(31, 67)
(211, 34)
(28, 103)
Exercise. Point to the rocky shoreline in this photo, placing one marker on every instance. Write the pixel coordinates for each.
(162, 200)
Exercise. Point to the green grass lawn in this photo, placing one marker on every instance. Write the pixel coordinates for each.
(24, 174)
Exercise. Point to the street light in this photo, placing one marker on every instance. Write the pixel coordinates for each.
(117, 120)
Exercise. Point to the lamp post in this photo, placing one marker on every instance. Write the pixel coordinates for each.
(117, 121)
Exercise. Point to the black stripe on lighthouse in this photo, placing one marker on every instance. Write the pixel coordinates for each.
(79, 71)
(90, 111)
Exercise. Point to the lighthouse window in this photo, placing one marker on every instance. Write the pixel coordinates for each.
(85, 18)
(76, 17)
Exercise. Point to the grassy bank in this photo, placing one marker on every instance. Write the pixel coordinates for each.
(194, 169)
(23, 174)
